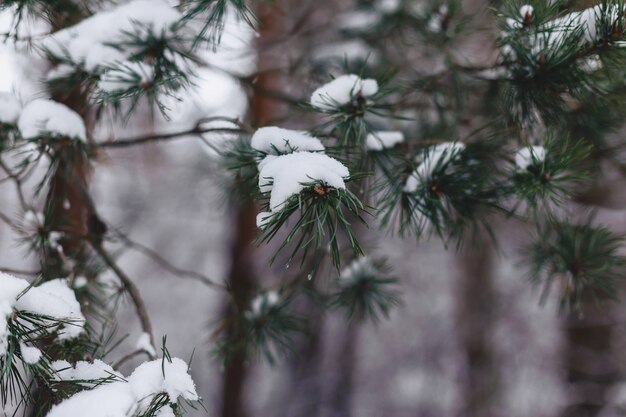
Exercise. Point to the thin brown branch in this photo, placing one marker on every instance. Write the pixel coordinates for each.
(197, 130)
(6, 219)
(133, 291)
(166, 265)
(19, 272)
(130, 356)
(18, 183)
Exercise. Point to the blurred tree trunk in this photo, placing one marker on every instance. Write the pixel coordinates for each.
(475, 321)
(303, 396)
(591, 370)
(241, 278)
(342, 391)
(68, 207)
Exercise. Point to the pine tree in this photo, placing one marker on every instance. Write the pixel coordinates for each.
(374, 138)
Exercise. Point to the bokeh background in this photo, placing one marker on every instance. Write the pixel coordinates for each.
(471, 337)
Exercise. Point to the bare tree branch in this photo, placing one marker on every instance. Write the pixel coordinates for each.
(133, 291)
(166, 265)
(197, 130)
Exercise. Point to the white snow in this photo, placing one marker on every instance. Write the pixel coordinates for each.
(434, 157)
(526, 10)
(285, 175)
(276, 140)
(125, 75)
(60, 71)
(32, 221)
(591, 64)
(518, 22)
(144, 343)
(10, 288)
(163, 376)
(355, 271)
(388, 6)
(102, 56)
(87, 42)
(377, 141)
(528, 156)
(554, 32)
(10, 108)
(262, 219)
(342, 91)
(53, 299)
(359, 20)
(80, 282)
(166, 411)
(5, 312)
(586, 19)
(131, 397)
(30, 354)
(88, 373)
(57, 300)
(435, 23)
(107, 400)
(43, 117)
(262, 303)
(350, 50)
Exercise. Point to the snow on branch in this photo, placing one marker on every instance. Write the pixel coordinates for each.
(342, 91)
(276, 141)
(152, 389)
(53, 300)
(436, 158)
(47, 118)
(287, 175)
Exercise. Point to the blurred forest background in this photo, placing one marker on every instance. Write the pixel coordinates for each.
(471, 337)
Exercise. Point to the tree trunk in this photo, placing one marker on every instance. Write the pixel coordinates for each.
(343, 388)
(241, 277)
(475, 320)
(591, 370)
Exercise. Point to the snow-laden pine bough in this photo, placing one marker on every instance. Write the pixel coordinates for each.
(39, 322)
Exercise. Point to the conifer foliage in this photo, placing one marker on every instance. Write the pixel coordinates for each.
(380, 145)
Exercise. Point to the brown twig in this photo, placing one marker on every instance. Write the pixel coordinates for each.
(198, 129)
(163, 263)
(18, 183)
(19, 272)
(133, 291)
(130, 356)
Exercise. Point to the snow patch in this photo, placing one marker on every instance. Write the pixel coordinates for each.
(355, 271)
(132, 397)
(126, 75)
(30, 354)
(342, 91)
(262, 303)
(378, 141)
(528, 156)
(434, 157)
(88, 373)
(285, 175)
(10, 108)
(276, 140)
(88, 42)
(53, 299)
(43, 117)
(144, 344)
(158, 376)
